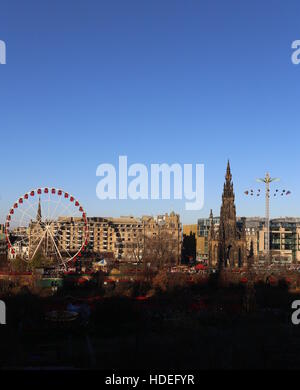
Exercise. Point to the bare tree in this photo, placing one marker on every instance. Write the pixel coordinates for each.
(157, 248)
(161, 249)
(137, 247)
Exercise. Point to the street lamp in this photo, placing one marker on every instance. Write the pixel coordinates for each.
(267, 180)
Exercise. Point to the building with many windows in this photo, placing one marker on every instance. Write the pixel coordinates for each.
(284, 237)
(122, 236)
(284, 240)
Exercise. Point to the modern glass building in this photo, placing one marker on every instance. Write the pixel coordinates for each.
(284, 237)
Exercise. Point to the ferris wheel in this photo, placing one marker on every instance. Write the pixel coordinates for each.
(48, 223)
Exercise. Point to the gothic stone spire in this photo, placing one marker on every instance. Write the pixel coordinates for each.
(39, 212)
(228, 212)
(211, 225)
(228, 172)
(228, 185)
(231, 240)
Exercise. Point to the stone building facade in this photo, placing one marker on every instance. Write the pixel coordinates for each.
(120, 238)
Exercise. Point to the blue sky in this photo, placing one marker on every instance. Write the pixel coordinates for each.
(159, 81)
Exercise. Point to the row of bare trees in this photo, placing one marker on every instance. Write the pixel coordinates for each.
(158, 250)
